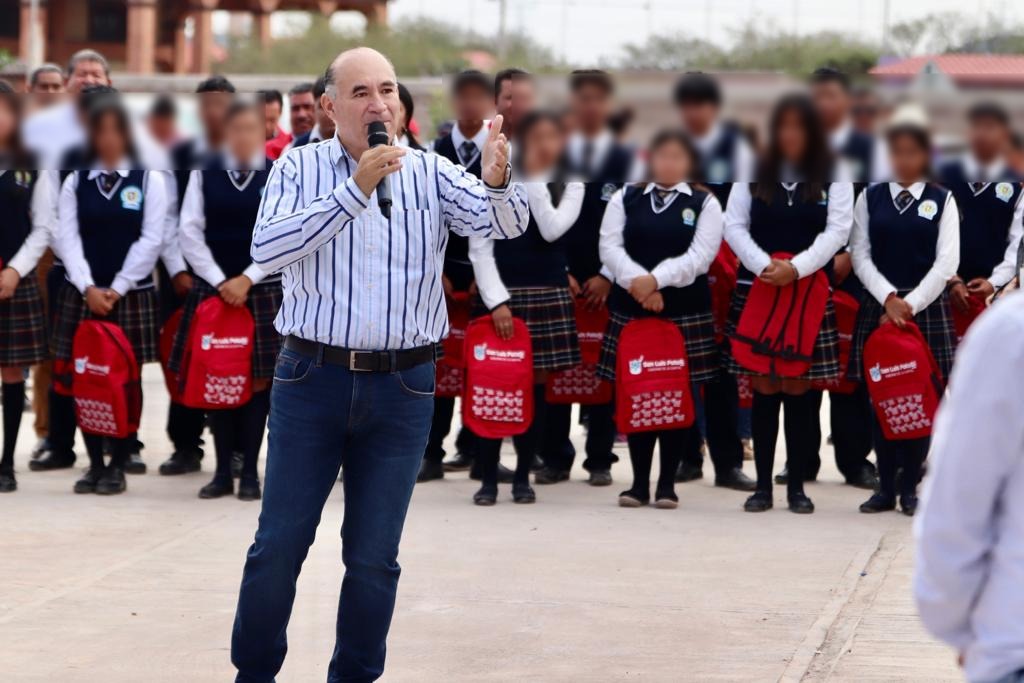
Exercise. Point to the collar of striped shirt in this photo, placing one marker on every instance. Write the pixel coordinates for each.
(354, 278)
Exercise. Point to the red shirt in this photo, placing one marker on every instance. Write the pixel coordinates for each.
(276, 144)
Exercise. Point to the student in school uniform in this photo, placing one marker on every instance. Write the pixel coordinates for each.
(407, 137)
(110, 234)
(217, 219)
(472, 101)
(990, 196)
(658, 240)
(906, 246)
(864, 159)
(23, 239)
(726, 158)
(526, 278)
(791, 207)
(592, 153)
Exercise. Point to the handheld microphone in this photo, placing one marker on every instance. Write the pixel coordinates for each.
(378, 135)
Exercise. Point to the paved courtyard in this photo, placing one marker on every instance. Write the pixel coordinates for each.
(142, 587)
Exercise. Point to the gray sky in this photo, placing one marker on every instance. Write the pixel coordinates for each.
(587, 30)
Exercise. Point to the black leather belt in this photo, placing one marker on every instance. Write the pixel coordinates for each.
(362, 361)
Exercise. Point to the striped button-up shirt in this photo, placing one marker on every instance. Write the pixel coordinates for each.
(354, 278)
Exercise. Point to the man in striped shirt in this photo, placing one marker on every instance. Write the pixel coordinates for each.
(363, 308)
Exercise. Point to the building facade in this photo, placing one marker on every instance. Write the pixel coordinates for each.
(146, 36)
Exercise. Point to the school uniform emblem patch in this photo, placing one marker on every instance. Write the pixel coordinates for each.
(689, 216)
(928, 209)
(131, 198)
(1004, 191)
(607, 190)
(718, 172)
(636, 366)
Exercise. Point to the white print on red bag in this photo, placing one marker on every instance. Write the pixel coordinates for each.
(482, 352)
(96, 417)
(211, 342)
(577, 381)
(226, 391)
(497, 405)
(449, 380)
(639, 365)
(878, 373)
(905, 413)
(82, 365)
(744, 387)
(652, 408)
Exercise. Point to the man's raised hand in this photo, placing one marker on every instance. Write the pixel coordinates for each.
(495, 155)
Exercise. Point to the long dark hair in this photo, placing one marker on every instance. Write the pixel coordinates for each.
(103, 106)
(814, 168)
(674, 136)
(529, 122)
(18, 156)
(406, 98)
(920, 137)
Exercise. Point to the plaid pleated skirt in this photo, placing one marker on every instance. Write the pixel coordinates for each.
(935, 323)
(137, 313)
(550, 316)
(23, 326)
(698, 332)
(825, 357)
(263, 302)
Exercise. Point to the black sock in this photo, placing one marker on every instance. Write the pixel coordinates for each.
(255, 417)
(121, 448)
(671, 444)
(94, 447)
(488, 453)
(641, 454)
(13, 406)
(764, 422)
(914, 453)
(799, 418)
(62, 424)
(528, 443)
(226, 439)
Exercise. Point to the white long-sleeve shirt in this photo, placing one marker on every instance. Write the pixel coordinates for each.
(976, 171)
(947, 252)
(676, 271)
(552, 223)
(192, 236)
(143, 254)
(32, 249)
(824, 248)
(969, 530)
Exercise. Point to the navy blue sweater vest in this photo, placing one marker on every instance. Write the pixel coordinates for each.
(15, 206)
(718, 165)
(650, 237)
(531, 261)
(456, 253)
(859, 152)
(109, 226)
(231, 215)
(985, 218)
(903, 245)
(778, 226)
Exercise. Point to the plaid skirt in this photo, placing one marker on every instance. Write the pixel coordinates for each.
(263, 302)
(698, 332)
(935, 322)
(825, 357)
(136, 313)
(23, 326)
(550, 316)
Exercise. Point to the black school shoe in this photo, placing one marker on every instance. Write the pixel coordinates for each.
(879, 502)
(908, 504)
(759, 502)
(634, 499)
(600, 478)
(249, 489)
(182, 462)
(111, 482)
(800, 504)
(52, 460)
(135, 464)
(550, 475)
(666, 500)
(219, 487)
(783, 476)
(8, 484)
(523, 494)
(688, 472)
(865, 478)
(460, 462)
(87, 484)
(429, 471)
(486, 496)
(736, 480)
(505, 475)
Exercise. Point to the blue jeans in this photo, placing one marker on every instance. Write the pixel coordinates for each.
(323, 417)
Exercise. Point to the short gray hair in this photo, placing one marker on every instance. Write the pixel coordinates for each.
(87, 56)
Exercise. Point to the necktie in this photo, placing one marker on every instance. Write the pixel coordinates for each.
(467, 150)
(661, 198)
(903, 200)
(107, 181)
(240, 176)
(977, 187)
(588, 156)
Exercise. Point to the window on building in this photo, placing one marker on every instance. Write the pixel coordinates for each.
(108, 21)
(10, 18)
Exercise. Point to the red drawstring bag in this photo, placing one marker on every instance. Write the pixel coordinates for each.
(961, 321)
(581, 383)
(106, 384)
(846, 306)
(722, 282)
(450, 368)
(904, 382)
(652, 378)
(217, 366)
(498, 399)
(779, 325)
(167, 335)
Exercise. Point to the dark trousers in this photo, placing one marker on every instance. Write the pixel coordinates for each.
(62, 408)
(441, 427)
(323, 417)
(601, 433)
(851, 417)
(907, 455)
(184, 425)
(721, 407)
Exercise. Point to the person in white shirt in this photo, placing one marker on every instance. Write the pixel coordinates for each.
(658, 240)
(969, 531)
(526, 277)
(110, 233)
(792, 208)
(906, 246)
(864, 154)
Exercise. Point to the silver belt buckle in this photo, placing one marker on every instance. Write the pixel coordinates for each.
(352, 362)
